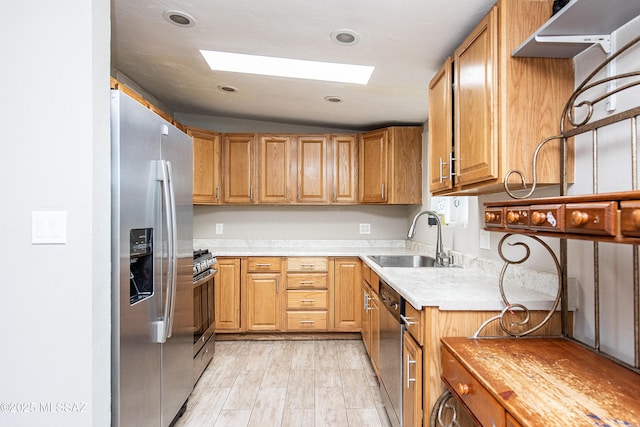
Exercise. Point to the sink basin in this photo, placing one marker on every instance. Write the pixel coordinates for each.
(403, 260)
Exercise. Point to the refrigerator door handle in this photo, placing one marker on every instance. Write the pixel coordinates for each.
(164, 326)
(173, 251)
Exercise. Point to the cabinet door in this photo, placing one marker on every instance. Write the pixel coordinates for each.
(366, 317)
(263, 302)
(206, 166)
(347, 312)
(312, 169)
(275, 169)
(227, 294)
(238, 152)
(373, 166)
(476, 103)
(441, 130)
(411, 382)
(345, 168)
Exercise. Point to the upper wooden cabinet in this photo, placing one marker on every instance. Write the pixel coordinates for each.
(206, 166)
(275, 168)
(441, 129)
(344, 168)
(503, 107)
(238, 165)
(390, 161)
(312, 170)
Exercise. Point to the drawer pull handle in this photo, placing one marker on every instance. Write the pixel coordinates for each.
(512, 217)
(306, 283)
(407, 321)
(263, 265)
(307, 265)
(490, 216)
(635, 218)
(464, 389)
(538, 218)
(579, 218)
(311, 301)
(308, 322)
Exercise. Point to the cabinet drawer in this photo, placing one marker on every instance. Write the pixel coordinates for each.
(592, 218)
(494, 217)
(414, 322)
(259, 264)
(547, 217)
(518, 217)
(306, 320)
(307, 281)
(307, 299)
(630, 218)
(483, 406)
(307, 264)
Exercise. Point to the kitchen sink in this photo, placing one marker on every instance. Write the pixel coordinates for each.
(404, 260)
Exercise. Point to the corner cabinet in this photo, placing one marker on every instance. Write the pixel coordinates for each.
(502, 106)
(206, 166)
(390, 161)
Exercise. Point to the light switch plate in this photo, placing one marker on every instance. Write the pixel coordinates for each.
(219, 229)
(48, 227)
(485, 239)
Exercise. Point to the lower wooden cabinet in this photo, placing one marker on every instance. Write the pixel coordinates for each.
(263, 290)
(227, 295)
(411, 382)
(263, 302)
(346, 281)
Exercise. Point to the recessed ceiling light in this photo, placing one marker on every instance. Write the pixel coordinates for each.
(345, 37)
(227, 89)
(179, 18)
(334, 99)
(284, 67)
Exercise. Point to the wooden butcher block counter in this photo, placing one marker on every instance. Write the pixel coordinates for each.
(539, 382)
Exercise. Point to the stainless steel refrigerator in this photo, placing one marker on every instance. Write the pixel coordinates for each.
(152, 266)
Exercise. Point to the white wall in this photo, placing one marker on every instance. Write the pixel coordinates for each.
(55, 299)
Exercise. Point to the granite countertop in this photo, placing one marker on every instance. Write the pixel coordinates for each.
(448, 288)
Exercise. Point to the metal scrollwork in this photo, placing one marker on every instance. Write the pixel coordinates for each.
(575, 106)
(444, 410)
(508, 326)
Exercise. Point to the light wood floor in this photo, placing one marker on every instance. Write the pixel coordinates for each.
(321, 383)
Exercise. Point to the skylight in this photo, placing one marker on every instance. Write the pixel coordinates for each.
(283, 67)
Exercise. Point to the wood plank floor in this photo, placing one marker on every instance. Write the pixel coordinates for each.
(321, 383)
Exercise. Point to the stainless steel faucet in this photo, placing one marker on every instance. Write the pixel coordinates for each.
(441, 256)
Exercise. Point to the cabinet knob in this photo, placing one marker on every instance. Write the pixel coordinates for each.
(579, 218)
(538, 217)
(489, 216)
(464, 389)
(635, 218)
(513, 216)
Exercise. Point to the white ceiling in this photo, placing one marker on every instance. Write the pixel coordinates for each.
(406, 40)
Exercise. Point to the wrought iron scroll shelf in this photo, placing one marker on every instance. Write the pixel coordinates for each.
(577, 119)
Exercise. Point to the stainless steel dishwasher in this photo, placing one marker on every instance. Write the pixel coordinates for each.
(391, 330)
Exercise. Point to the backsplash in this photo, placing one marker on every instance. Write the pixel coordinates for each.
(516, 275)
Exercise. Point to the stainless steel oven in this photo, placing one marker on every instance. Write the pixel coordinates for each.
(391, 330)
